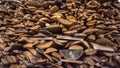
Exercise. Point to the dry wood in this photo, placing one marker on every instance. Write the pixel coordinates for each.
(90, 51)
(59, 34)
(101, 47)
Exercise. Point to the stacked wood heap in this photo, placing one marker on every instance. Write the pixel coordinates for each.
(59, 34)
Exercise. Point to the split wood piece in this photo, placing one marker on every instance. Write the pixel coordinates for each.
(71, 54)
(34, 27)
(75, 27)
(71, 61)
(33, 51)
(1, 39)
(42, 60)
(104, 41)
(68, 44)
(54, 8)
(4, 53)
(56, 15)
(28, 56)
(57, 55)
(26, 39)
(91, 30)
(46, 32)
(40, 51)
(37, 3)
(101, 26)
(90, 51)
(54, 28)
(68, 37)
(110, 37)
(72, 18)
(85, 43)
(81, 29)
(65, 22)
(2, 46)
(40, 35)
(64, 29)
(95, 58)
(89, 18)
(89, 61)
(48, 57)
(109, 23)
(112, 32)
(109, 54)
(91, 38)
(22, 64)
(51, 49)
(4, 61)
(44, 45)
(28, 45)
(21, 30)
(11, 59)
(46, 38)
(91, 23)
(102, 47)
(44, 13)
(92, 4)
(17, 51)
(1, 54)
(3, 9)
(59, 42)
(72, 32)
(14, 1)
(76, 47)
(82, 35)
(56, 60)
(14, 66)
(117, 58)
(21, 57)
(76, 43)
(44, 20)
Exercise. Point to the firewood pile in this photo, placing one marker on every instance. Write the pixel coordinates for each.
(59, 34)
